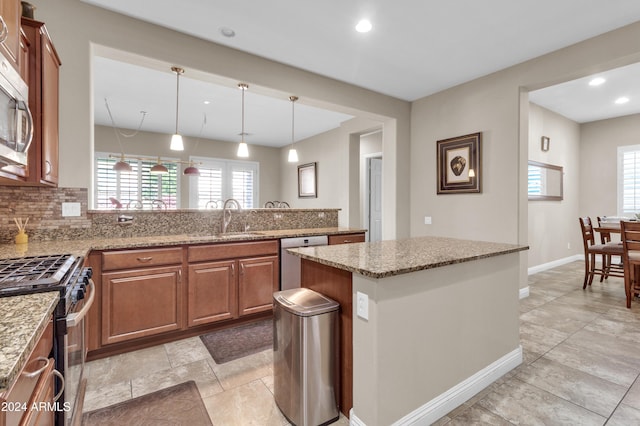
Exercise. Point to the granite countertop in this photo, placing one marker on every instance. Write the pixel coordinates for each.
(22, 321)
(83, 247)
(394, 257)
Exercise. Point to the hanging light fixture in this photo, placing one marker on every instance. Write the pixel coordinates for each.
(191, 170)
(176, 139)
(121, 165)
(243, 149)
(293, 154)
(158, 169)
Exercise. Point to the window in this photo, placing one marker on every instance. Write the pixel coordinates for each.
(628, 179)
(221, 179)
(137, 187)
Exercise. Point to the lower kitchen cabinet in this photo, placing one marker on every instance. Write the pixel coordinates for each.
(34, 385)
(141, 302)
(257, 282)
(212, 292)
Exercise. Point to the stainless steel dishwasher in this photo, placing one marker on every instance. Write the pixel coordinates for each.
(290, 264)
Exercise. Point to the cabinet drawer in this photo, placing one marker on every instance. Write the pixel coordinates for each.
(232, 250)
(23, 388)
(346, 238)
(127, 259)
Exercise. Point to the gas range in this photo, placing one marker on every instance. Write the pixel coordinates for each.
(65, 274)
(35, 274)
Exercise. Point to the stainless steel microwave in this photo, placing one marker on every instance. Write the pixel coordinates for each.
(16, 121)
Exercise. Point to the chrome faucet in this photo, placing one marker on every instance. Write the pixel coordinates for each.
(226, 212)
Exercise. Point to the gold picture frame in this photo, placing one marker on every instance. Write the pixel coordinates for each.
(459, 164)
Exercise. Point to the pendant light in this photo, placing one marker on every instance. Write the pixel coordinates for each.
(191, 170)
(293, 154)
(243, 149)
(121, 165)
(158, 169)
(176, 139)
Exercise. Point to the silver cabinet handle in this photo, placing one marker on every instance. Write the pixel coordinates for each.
(241, 269)
(145, 259)
(61, 377)
(49, 168)
(39, 370)
(179, 275)
(233, 270)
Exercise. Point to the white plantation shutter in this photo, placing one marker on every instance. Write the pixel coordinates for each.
(535, 180)
(628, 180)
(221, 179)
(136, 185)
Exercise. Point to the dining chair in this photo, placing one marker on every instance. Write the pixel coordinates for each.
(591, 249)
(630, 232)
(605, 237)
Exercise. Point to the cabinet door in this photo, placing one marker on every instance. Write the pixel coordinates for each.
(10, 10)
(139, 303)
(212, 292)
(257, 281)
(50, 96)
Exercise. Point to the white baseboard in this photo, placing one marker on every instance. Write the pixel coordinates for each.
(554, 264)
(457, 395)
(524, 292)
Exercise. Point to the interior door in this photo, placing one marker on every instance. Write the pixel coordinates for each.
(375, 199)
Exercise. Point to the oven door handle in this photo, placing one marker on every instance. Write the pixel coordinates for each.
(75, 318)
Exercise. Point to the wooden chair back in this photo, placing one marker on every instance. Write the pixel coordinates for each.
(630, 237)
(605, 236)
(588, 237)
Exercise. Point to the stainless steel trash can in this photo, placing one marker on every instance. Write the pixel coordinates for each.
(305, 356)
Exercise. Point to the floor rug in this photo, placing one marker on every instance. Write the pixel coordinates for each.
(176, 406)
(237, 342)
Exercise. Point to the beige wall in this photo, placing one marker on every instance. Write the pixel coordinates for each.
(333, 153)
(148, 144)
(497, 106)
(598, 162)
(79, 30)
(554, 232)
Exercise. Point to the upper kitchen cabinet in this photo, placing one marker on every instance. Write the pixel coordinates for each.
(43, 71)
(10, 11)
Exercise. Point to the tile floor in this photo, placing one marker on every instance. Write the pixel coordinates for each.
(581, 366)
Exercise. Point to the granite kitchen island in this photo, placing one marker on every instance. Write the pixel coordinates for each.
(438, 322)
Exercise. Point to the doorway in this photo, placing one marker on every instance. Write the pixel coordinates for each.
(374, 198)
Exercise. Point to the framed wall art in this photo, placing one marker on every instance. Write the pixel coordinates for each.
(459, 164)
(307, 181)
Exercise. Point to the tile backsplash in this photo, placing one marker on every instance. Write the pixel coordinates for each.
(43, 207)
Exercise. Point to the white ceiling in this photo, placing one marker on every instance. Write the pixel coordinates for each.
(416, 48)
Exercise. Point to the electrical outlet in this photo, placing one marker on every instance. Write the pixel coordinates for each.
(362, 301)
(70, 209)
(427, 220)
(568, 246)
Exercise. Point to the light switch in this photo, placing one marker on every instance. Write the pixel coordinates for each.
(70, 209)
(362, 301)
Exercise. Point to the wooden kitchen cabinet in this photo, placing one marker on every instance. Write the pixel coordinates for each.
(347, 238)
(212, 292)
(34, 384)
(242, 279)
(43, 75)
(258, 280)
(10, 12)
(141, 302)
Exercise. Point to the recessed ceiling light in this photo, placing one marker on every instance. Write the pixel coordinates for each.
(622, 100)
(207, 102)
(597, 81)
(364, 26)
(227, 32)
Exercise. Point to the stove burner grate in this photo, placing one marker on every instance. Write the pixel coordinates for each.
(34, 272)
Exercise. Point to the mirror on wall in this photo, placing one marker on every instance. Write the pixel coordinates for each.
(545, 182)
